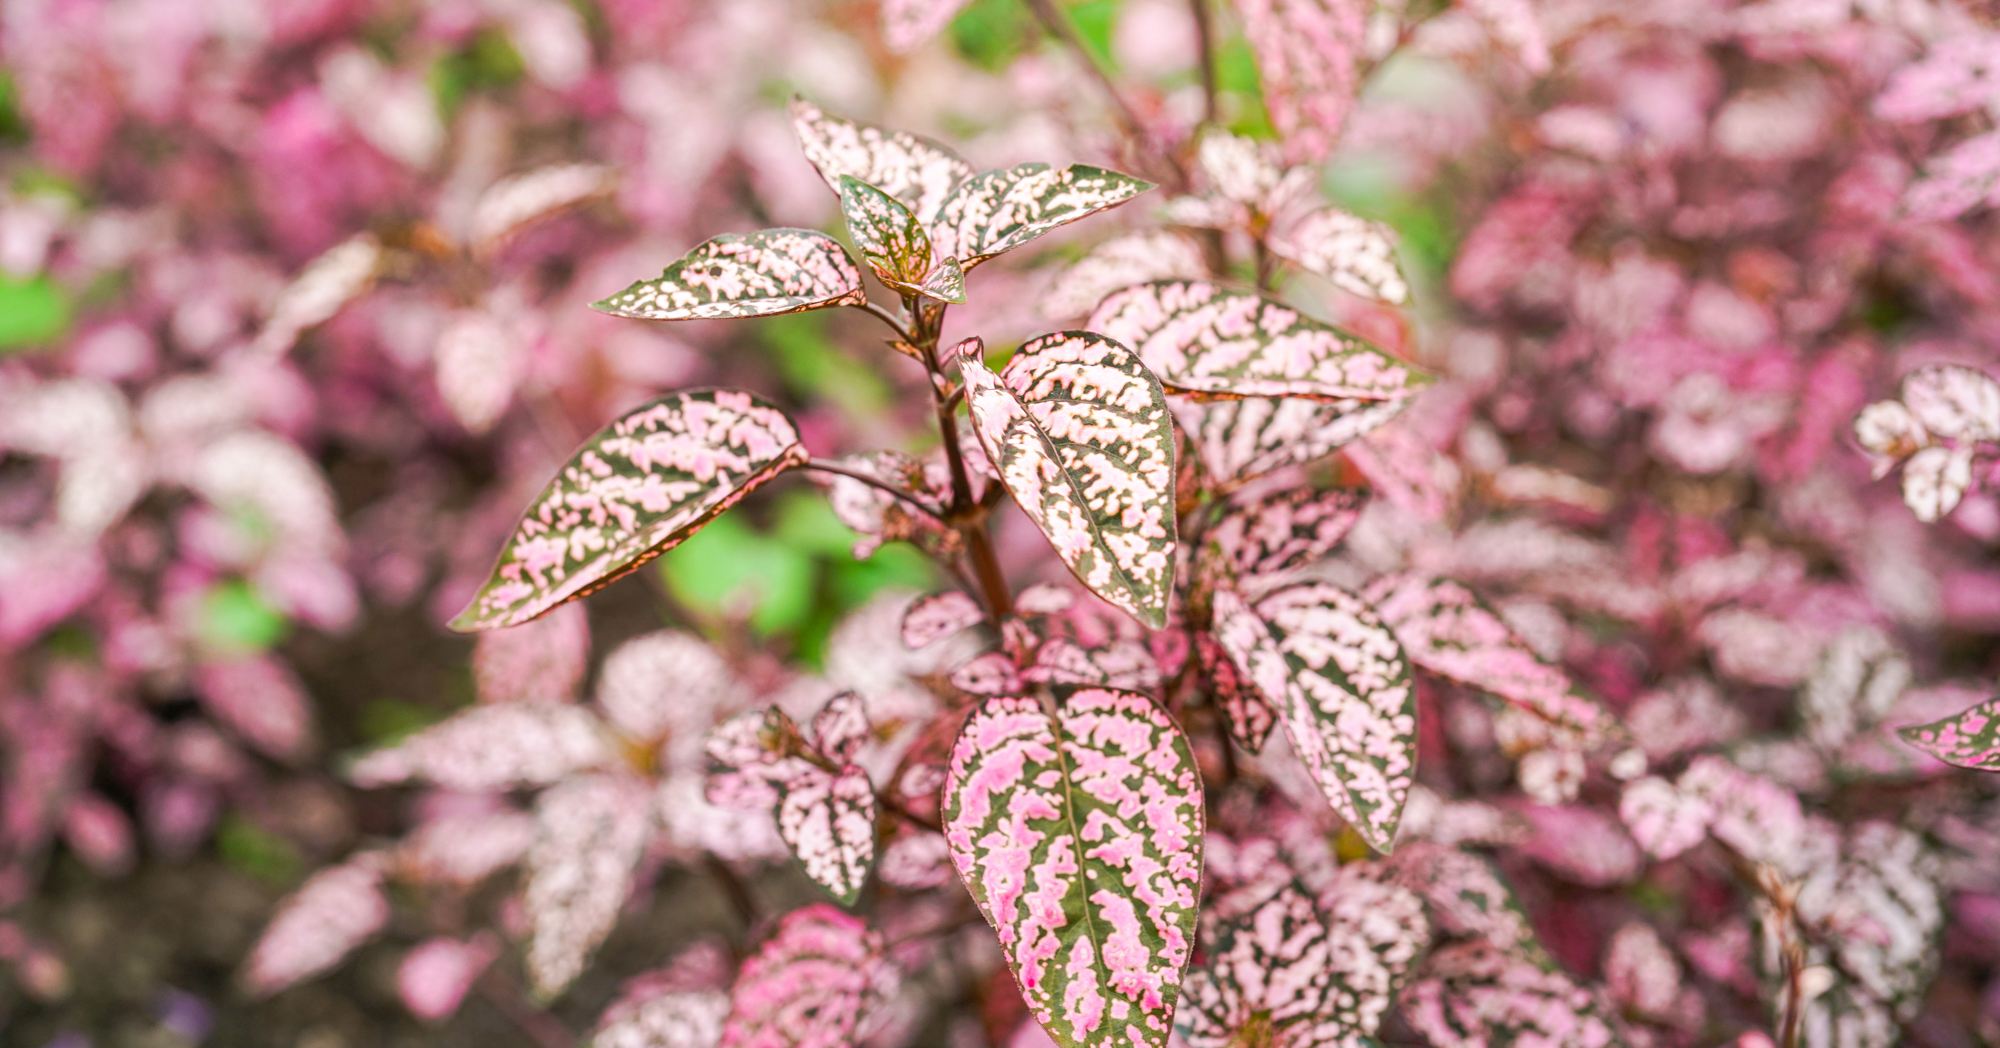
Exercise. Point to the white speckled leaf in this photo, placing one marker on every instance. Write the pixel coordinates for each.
(1304, 975)
(1341, 685)
(1154, 254)
(1286, 529)
(990, 674)
(1935, 479)
(1357, 255)
(896, 247)
(829, 823)
(998, 211)
(1081, 841)
(933, 618)
(1117, 663)
(911, 168)
(1954, 402)
(328, 283)
(330, 915)
(841, 727)
(1240, 440)
(811, 986)
(1080, 431)
(1449, 631)
(1306, 56)
(636, 489)
(760, 274)
(1211, 342)
(590, 832)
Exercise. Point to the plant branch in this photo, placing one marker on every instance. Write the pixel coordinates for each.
(970, 526)
(1058, 25)
(545, 1030)
(824, 466)
(895, 323)
(1204, 32)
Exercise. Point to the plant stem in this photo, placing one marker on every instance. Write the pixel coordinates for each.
(895, 323)
(879, 484)
(1265, 269)
(1204, 32)
(506, 997)
(732, 886)
(1057, 24)
(971, 526)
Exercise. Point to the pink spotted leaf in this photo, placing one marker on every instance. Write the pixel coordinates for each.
(911, 168)
(492, 747)
(1118, 663)
(1953, 402)
(828, 821)
(679, 1005)
(1238, 441)
(1303, 974)
(1341, 686)
(1210, 342)
(758, 274)
(1080, 838)
(1448, 630)
(841, 727)
(1248, 712)
(812, 985)
(993, 673)
(637, 488)
(1080, 432)
(589, 834)
(998, 211)
(1935, 480)
(1282, 530)
(1479, 994)
(538, 662)
(1306, 60)
(326, 919)
(933, 618)
(895, 246)
(1969, 740)
(1356, 255)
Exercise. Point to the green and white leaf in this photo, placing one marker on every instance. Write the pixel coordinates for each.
(896, 247)
(1342, 689)
(759, 274)
(998, 211)
(1080, 432)
(1081, 838)
(1238, 441)
(637, 488)
(911, 168)
(1211, 342)
(1356, 255)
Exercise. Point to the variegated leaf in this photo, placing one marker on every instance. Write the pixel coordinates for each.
(589, 834)
(1357, 255)
(326, 285)
(1210, 342)
(990, 674)
(1247, 711)
(1468, 898)
(1954, 402)
(1449, 631)
(1935, 479)
(828, 821)
(1341, 685)
(933, 618)
(330, 915)
(758, 274)
(489, 748)
(636, 489)
(811, 986)
(1080, 431)
(1081, 841)
(917, 859)
(514, 202)
(1306, 56)
(896, 247)
(1969, 740)
(1477, 994)
(911, 168)
(1117, 663)
(1118, 263)
(998, 211)
(841, 727)
(1240, 440)
(665, 1018)
(1288, 973)
(1285, 529)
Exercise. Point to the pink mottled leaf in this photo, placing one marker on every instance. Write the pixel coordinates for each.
(518, 200)
(1581, 844)
(896, 247)
(435, 975)
(1080, 838)
(880, 517)
(1888, 431)
(1240, 440)
(841, 727)
(590, 831)
(480, 362)
(1341, 687)
(1935, 480)
(260, 699)
(1303, 975)
(998, 211)
(636, 489)
(1969, 740)
(1080, 431)
(1965, 176)
(1282, 530)
(492, 748)
(828, 821)
(680, 1005)
(1120, 263)
(1210, 342)
(1466, 897)
(1306, 52)
(990, 674)
(464, 849)
(1248, 712)
(907, 24)
(913, 169)
(1119, 663)
(1664, 820)
(758, 274)
(1357, 255)
(666, 685)
(1641, 973)
(1477, 994)
(812, 985)
(331, 914)
(316, 294)
(1961, 74)
(933, 618)
(540, 661)
(1449, 631)
(917, 859)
